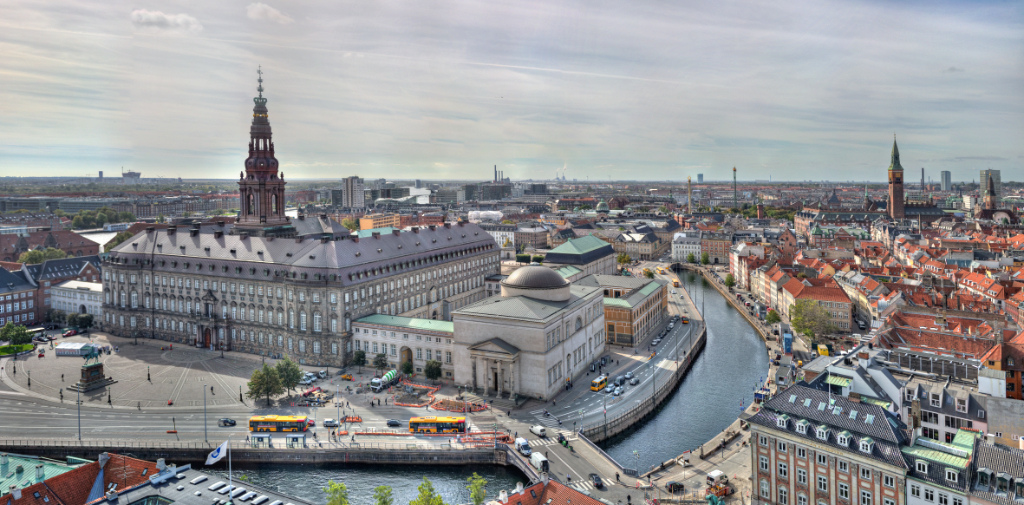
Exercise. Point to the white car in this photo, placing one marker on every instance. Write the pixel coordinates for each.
(331, 423)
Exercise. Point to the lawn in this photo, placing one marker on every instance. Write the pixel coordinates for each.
(14, 349)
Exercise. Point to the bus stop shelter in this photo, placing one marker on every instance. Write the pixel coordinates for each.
(295, 440)
(260, 440)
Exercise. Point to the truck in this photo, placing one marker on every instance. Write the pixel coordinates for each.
(787, 343)
(379, 384)
(523, 446)
(540, 462)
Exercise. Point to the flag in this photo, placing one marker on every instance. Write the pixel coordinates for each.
(218, 453)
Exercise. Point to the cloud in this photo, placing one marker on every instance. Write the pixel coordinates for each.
(156, 21)
(976, 158)
(953, 69)
(262, 11)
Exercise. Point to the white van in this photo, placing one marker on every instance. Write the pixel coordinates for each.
(540, 462)
(523, 446)
(539, 430)
(322, 374)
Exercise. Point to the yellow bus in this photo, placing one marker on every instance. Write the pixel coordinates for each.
(599, 383)
(437, 425)
(278, 423)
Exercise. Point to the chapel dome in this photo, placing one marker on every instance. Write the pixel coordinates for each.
(537, 282)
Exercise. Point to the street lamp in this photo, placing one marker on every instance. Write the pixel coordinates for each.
(79, 402)
(206, 436)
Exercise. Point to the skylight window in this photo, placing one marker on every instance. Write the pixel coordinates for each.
(792, 398)
(821, 406)
(853, 414)
(870, 419)
(837, 410)
(807, 402)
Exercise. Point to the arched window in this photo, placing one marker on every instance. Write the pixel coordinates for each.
(302, 321)
(251, 207)
(291, 318)
(273, 204)
(135, 300)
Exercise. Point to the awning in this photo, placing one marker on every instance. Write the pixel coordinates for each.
(295, 435)
(259, 436)
(837, 380)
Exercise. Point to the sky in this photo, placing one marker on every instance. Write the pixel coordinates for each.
(598, 90)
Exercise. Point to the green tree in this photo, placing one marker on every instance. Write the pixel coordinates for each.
(382, 496)
(810, 318)
(71, 319)
(117, 240)
(537, 259)
(77, 223)
(407, 368)
(350, 223)
(289, 373)
(37, 256)
(15, 334)
(648, 273)
(623, 259)
(55, 316)
(730, 281)
(85, 320)
(691, 258)
(427, 495)
(477, 489)
(705, 258)
(772, 317)
(663, 209)
(337, 493)
(264, 383)
(432, 370)
(161, 219)
(506, 221)
(359, 360)
(380, 361)
(522, 258)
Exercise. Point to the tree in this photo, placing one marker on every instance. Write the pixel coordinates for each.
(730, 281)
(691, 258)
(72, 319)
(380, 361)
(537, 259)
(663, 209)
(77, 223)
(407, 368)
(55, 316)
(15, 334)
(350, 223)
(337, 493)
(432, 370)
(477, 490)
(772, 317)
(160, 218)
(85, 320)
(38, 256)
(264, 383)
(506, 221)
(382, 495)
(648, 273)
(359, 360)
(117, 240)
(427, 496)
(289, 373)
(705, 258)
(623, 259)
(810, 318)
(522, 258)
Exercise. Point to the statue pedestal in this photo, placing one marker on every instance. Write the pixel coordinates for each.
(92, 378)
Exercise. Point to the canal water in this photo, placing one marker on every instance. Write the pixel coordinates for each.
(719, 385)
(710, 398)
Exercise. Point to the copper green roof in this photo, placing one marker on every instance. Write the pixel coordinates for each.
(957, 454)
(21, 471)
(568, 271)
(617, 302)
(895, 164)
(411, 323)
(650, 288)
(580, 245)
(369, 233)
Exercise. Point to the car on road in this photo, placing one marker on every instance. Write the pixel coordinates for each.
(610, 388)
(331, 423)
(70, 333)
(674, 487)
(629, 375)
(656, 341)
(539, 430)
(596, 479)
(618, 391)
(224, 421)
(634, 381)
(311, 422)
(394, 423)
(685, 320)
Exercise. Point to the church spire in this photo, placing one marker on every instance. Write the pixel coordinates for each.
(895, 164)
(261, 186)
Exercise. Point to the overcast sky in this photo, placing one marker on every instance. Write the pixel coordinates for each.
(604, 89)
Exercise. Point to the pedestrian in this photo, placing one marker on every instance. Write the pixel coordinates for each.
(616, 476)
(517, 435)
(509, 413)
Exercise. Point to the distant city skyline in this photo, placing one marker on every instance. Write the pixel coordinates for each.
(800, 91)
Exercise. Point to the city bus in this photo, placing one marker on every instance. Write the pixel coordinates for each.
(278, 423)
(599, 383)
(437, 425)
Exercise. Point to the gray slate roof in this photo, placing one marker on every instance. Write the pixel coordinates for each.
(61, 269)
(1000, 459)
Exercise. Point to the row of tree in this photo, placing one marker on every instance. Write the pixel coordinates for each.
(271, 381)
(70, 319)
(38, 256)
(337, 493)
(97, 218)
(432, 368)
(526, 258)
(705, 258)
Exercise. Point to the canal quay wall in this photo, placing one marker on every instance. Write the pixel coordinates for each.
(244, 454)
(730, 298)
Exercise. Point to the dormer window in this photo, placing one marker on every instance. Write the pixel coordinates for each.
(865, 445)
(843, 438)
(801, 427)
(782, 421)
(984, 477)
(951, 475)
(936, 400)
(822, 432)
(961, 405)
(921, 467)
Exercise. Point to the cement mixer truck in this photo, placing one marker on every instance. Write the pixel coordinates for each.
(380, 384)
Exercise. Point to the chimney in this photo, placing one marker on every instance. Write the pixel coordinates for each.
(218, 234)
(104, 457)
(149, 229)
(462, 223)
(112, 495)
(40, 472)
(16, 492)
(544, 478)
(395, 232)
(171, 229)
(415, 229)
(503, 496)
(161, 464)
(355, 238)
(448, 225)
(3, 459)
(375, 234)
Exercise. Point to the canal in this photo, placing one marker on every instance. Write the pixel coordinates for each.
(719, 385)
(721, 381)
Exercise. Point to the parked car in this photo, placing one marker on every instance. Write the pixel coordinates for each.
(394, 423)
(224, 421)
(70, 333)
(675, 487)
(331, 423)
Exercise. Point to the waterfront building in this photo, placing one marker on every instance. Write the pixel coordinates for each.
(639, 246)
(533, 339)
(634, 307)
(78, 297)
(405, 339)
(717, 246)
(812, 447)
(247, 288)
(685, 244)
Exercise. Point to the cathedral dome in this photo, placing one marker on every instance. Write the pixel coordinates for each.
(602, 206)
(536, 282)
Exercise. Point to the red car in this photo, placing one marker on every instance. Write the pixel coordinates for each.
(70, 333)
(310, 422)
